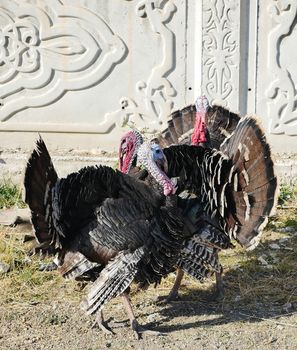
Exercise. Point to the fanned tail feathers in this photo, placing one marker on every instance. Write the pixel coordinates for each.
(220, 125)
(180, 127)
(252, 181)
(40, 177)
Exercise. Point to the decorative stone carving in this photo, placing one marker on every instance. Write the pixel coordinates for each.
(281, 92)
(220, 51)
(153, 102)
(49, 49)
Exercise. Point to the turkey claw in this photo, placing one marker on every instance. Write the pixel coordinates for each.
(103, 326)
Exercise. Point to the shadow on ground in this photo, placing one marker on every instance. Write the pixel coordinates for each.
(253, 292)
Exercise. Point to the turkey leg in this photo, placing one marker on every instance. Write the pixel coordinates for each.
(138, 330)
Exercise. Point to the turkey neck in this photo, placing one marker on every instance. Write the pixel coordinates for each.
(160, 177)
(146, 158)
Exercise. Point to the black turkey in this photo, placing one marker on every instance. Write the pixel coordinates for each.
(205, 243)
(206, 126)
(209, 237)
(99, 218)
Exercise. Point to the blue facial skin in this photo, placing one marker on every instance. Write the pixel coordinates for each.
(158, 154)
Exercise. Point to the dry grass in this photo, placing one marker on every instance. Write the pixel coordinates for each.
(24, 283)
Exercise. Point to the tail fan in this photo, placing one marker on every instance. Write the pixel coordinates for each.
(114, 279)
(220, 125)
(180, 127)
(253, 183)
(40, 177)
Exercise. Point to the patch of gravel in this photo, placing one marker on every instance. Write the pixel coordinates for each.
(188, 324)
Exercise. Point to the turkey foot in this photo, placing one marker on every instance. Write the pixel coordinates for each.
(137, 329)
(118, 324)
(173, 295)
(102, 325)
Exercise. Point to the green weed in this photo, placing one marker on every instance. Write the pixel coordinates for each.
(10, 195)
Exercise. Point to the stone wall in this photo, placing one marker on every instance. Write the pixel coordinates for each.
(80, 72)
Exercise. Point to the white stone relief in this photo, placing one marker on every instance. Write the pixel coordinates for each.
(153, 102)
(281, 92)
(49, 49)
(220, 50)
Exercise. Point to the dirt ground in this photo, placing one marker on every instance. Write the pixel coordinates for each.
(188, 324)
(40, 310)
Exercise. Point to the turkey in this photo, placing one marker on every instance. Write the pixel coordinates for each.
(130, 232)
(100, 219)
(209, 237)
(203, 250)
(207, 126)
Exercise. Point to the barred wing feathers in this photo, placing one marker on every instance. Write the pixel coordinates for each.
(114, 279)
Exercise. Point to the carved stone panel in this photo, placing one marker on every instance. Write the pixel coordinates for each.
(90, 67)
(277, 73)
(220, 51)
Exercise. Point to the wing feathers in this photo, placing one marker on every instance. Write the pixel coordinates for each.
(114, 279)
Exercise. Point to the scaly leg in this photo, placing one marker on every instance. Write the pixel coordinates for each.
(173, 295)
(100, 322)
(138, 330)
(220, 286)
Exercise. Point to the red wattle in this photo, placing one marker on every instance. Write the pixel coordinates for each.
(199, 130)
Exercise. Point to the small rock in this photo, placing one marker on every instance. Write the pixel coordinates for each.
(274, 246)
(4, 268)
(26, 260)
(237, 298)
(262, 260)
(284, 240)
(152, 317)
(287, 229)
(288, 307)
